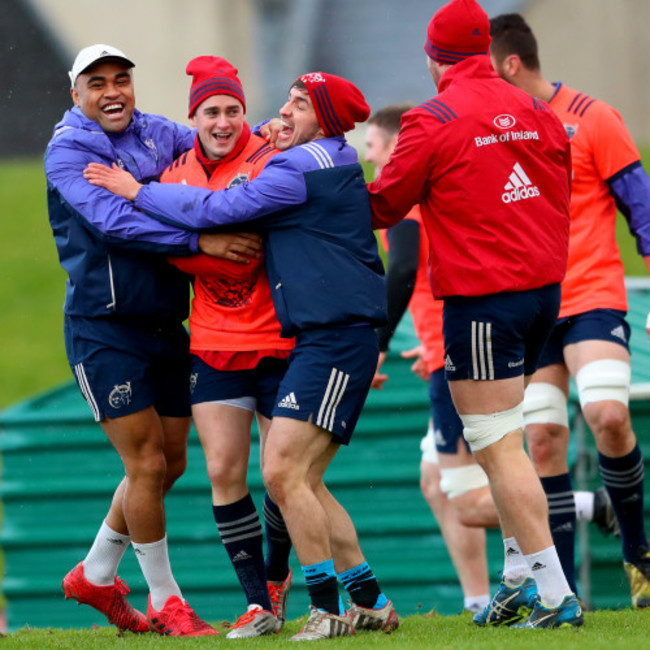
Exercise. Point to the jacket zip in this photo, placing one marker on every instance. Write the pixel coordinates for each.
(111, 305)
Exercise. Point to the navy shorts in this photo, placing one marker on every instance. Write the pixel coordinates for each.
(328, 379)
(598, 324)
(500, 335)
(447, 426)
(261, 383)
(123, 366)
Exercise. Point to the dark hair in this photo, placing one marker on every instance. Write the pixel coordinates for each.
(299, 84)
(512, 35)
(388, 118)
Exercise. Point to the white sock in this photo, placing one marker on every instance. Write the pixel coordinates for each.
(584, 505)
(104, 556)
(157, 571)
(515, 567)
(476, 604)
(552, 586)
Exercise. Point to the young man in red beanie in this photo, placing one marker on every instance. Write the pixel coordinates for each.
(238, 356)
(329, 292)
(490, 168)
(590, 341)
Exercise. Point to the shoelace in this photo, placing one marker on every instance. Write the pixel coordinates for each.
(121, 586)
(314, 620)
(246, 618)
(274, 594)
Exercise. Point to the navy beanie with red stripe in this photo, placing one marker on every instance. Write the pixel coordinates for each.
(213, 75)
(457, 30)
(338, 102)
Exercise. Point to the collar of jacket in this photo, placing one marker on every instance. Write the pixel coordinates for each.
(473, 67)
(211, 165)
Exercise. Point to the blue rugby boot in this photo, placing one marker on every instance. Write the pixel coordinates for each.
(567, 614)
(510, 604)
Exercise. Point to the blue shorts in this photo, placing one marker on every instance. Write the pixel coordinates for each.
(598, 324)
(328, 379)
(123, 366)
(447, 426)
(261, 383)
(500, 335)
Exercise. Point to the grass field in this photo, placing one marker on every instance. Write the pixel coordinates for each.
(604, 630)
(32, 284)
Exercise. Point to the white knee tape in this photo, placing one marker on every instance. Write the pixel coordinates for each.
(456, 481)
(606, 379)
(481, 431)
(545, 404)
(428, 447)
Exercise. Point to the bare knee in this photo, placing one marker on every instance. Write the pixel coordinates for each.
(226, 472)
(547, 447)
(147, 466)
(430, 485)
(471, 509)
(610, 423)
(175, 469)
(276, 481)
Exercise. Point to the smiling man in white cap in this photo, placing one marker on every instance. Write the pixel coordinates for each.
(99, 68)
(125, 340)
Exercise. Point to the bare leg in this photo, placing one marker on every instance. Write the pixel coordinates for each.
(466, 546)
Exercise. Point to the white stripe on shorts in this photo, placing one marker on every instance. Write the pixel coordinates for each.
(338, 381)
(482, 359)
(86, 391)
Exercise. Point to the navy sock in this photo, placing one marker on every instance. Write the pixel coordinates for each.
(241, 533)
(278, 542)
(363, 587)
(623, 478)
(562, 520)
(323, 587)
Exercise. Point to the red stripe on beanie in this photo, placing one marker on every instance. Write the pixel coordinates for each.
(338, 103)
(212, 75)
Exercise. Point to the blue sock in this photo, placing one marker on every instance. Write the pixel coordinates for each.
(323, 587)
(623, 478)
(562, 519)
(241, 533)
(363, 587)
(278, 542)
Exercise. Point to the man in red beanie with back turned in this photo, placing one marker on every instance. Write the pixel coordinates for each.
(329, 292)
(490, 167)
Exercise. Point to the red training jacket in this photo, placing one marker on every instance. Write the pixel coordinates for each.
(490, 167)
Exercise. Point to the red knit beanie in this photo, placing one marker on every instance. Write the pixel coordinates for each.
(458, 30)
(213, 76)
(338, 102)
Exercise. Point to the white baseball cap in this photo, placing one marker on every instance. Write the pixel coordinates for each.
(94, 53)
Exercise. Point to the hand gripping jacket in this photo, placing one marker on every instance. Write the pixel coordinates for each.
(115, 255)
(321, 254)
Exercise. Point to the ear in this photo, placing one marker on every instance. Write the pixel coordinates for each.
(392, 143)
(512, 65)
(75, 96)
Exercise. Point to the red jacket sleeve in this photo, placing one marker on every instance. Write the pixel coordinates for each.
(206, 265)
(404, 180)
